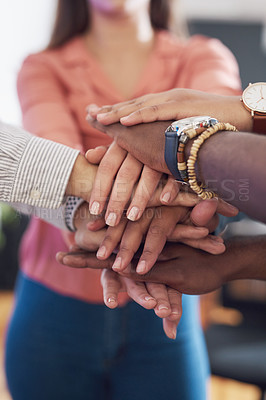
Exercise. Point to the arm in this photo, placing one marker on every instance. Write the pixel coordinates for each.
(228, 161)
(193, 271)
(40, 172)
(42, 97)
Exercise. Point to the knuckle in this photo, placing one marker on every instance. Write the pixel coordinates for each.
(126, 173)
(124, 248)
(157, 230)
(106, 166)
(147, 253)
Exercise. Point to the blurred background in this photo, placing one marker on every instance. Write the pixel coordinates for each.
(234, 318)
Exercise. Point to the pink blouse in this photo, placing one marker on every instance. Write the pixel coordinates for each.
(54, 88)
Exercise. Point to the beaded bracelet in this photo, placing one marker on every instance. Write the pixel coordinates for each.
(192, 179)
(181, 161)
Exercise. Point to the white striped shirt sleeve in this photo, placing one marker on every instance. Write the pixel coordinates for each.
(33, 170)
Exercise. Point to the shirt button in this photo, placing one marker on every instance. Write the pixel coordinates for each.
(35, 194)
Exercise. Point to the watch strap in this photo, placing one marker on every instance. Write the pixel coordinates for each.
(170, 153)
(259, 123)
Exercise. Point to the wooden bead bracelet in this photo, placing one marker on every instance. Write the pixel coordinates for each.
(187, 170)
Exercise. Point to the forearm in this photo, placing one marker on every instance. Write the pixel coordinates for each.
(232, 165)
(245, 258)
(33, 171)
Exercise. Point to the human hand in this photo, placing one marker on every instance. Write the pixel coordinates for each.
(166, 302)
(128, 181)
(186, 269)
(158, 224)
(174, 104)
(148, 148)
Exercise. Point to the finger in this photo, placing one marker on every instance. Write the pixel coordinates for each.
(226, 209)
(126, 178)
(170, 323)
(170, 328)
(96, 223)
(94, 156)
(182, 231)
(131, 240)
(203, 212)
(146, 186)
(211, 244)
(139, 293)
(155, 112)
(162, 225)
(111, 240)
(92, 110)
(185, 198)
(159, 292)
(103, 182)
(175, 299)
(170, 190)
(83, 259)
(111, 284)
(111, 114)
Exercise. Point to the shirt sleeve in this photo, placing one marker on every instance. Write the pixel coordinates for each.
(53, 217)
(62, 217)
(42, 97)
(211, 67)
(33, 171)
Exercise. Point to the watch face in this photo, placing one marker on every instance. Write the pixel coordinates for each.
(254, 97)
(193, 122)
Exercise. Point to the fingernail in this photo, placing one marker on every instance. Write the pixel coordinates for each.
(148, 298)
(163, 307)
(124, 119)
(111, 300)
(133, 214)
(166, 197)
(111, 219)
(174, 334)
(117, 264)
(89, 117)
(95, 208)
(141, 267)
(88, 151)
(101, 252)
(101, 116)
(92, 108)
(217, 243)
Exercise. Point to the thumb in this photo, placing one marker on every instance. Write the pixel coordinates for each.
(203, 212)
(94, 156)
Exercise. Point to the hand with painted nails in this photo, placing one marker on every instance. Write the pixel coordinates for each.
(125, 184)
(155, 227)
(158, 225)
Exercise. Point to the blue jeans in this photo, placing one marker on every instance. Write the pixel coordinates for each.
(61, 348)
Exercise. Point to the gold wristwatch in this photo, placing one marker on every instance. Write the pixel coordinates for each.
(254, 99)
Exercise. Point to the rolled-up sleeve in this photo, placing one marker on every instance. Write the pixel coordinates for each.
(33, 170)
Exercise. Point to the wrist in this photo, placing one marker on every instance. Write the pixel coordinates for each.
(81, 178)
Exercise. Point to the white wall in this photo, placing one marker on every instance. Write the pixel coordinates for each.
(25, 26)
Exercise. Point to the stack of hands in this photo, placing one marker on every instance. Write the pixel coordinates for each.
(147, 232)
